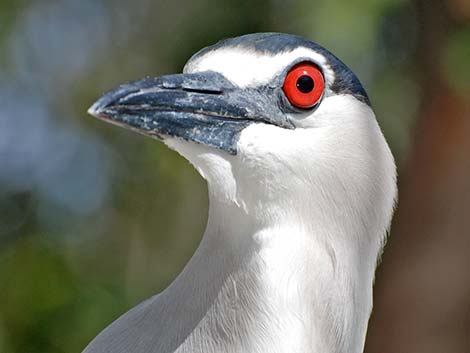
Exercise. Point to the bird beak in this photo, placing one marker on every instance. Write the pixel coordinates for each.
(203, 107)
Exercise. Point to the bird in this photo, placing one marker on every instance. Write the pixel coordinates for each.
(302, 189)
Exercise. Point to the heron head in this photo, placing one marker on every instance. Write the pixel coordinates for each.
(267, 119)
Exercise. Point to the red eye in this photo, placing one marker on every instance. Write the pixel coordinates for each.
(304, 85)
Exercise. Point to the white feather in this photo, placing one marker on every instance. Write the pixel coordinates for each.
(245, 67)
(296, 222)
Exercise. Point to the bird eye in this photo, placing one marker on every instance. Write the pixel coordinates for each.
(304, 85)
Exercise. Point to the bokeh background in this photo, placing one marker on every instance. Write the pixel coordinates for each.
(94, 219)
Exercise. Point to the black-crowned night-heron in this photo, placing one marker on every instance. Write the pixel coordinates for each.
(301, 192)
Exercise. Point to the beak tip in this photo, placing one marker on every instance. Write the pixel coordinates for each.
(110, 99)
(93, 110)
(97, 108)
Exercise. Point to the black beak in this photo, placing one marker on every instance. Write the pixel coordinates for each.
(201, 107)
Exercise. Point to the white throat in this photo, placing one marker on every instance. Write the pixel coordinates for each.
(251, 288)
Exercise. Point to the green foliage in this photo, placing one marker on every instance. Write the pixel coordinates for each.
(456, 58)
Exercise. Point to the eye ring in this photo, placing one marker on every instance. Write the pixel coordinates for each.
(304, 85)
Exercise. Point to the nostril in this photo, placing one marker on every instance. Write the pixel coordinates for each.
(202, 90)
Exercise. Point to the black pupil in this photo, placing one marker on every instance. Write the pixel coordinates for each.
(305, 84)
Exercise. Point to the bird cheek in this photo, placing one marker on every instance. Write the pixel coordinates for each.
(269, 143)
(260, 138)
(262, 154)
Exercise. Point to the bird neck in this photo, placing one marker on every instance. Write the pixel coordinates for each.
(288, 288)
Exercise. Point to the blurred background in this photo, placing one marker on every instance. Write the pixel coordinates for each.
(94, 219)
